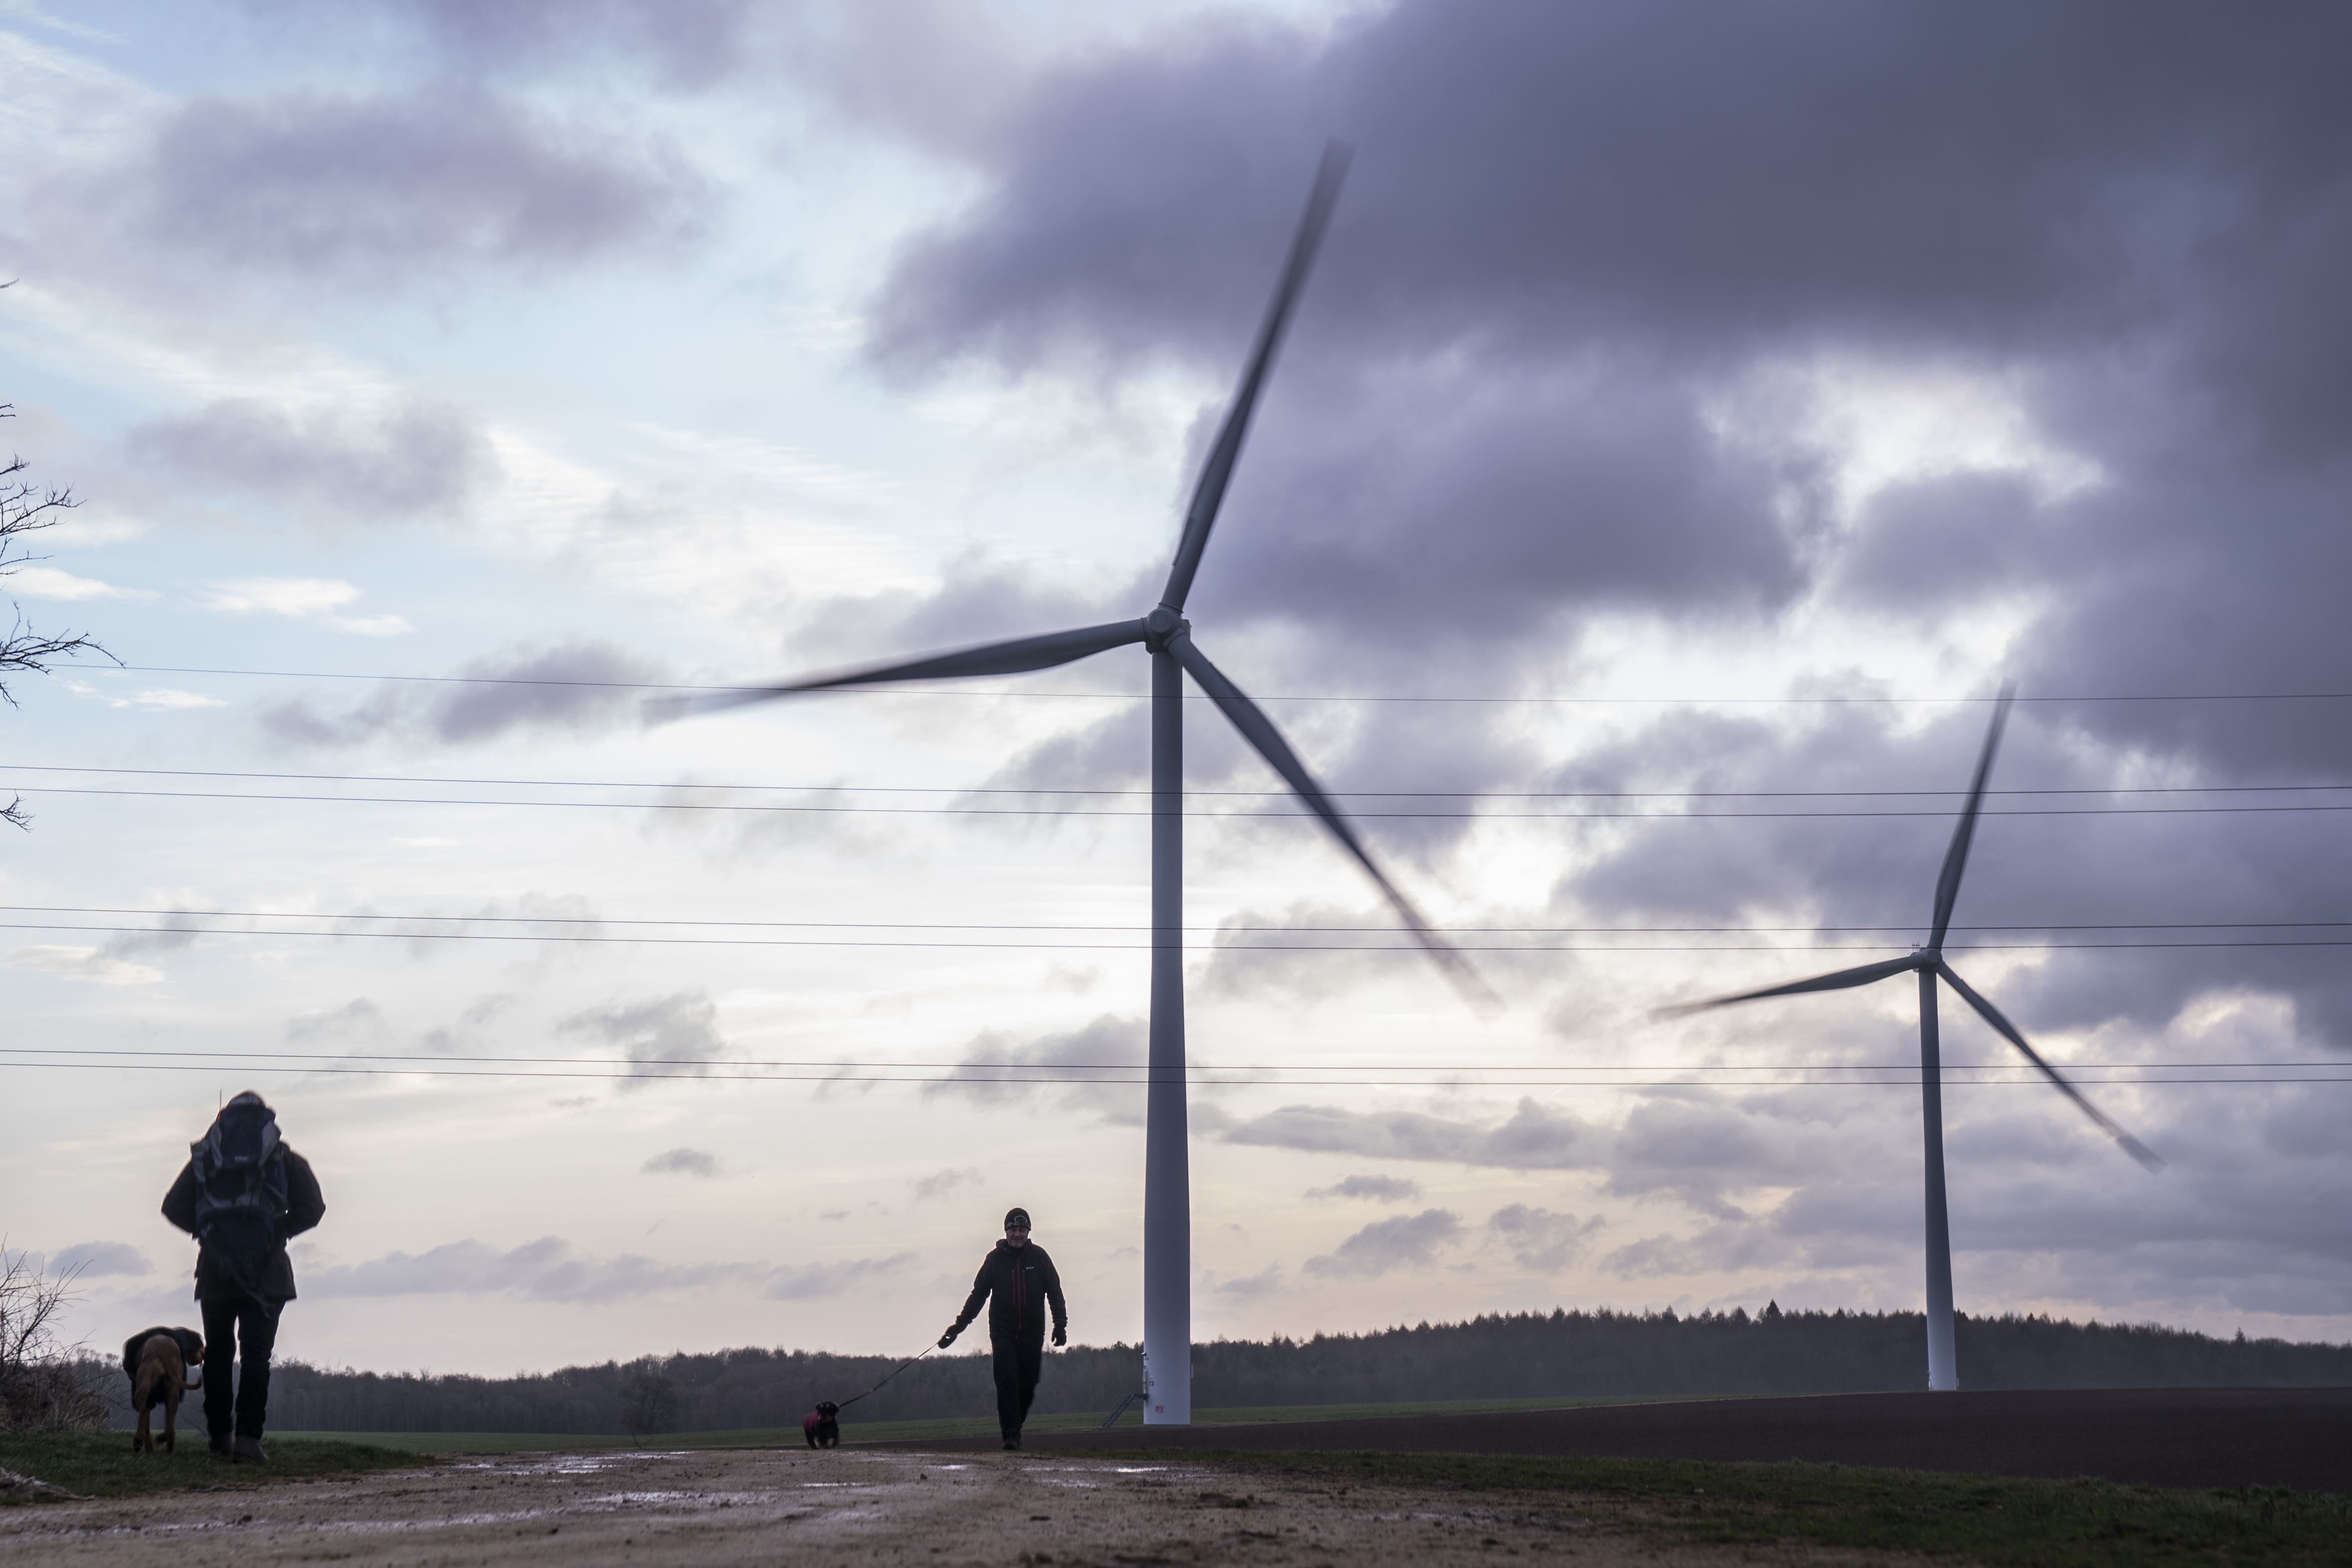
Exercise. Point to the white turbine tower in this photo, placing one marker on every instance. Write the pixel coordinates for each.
(1167, 635)
(1929, 964)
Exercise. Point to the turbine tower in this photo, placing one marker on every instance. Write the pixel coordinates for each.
(1929, 964)
(1167, 635)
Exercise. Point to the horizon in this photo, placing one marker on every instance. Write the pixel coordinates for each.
(1687, 432)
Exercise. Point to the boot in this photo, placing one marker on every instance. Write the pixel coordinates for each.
(223, 1448)
(250, 1451)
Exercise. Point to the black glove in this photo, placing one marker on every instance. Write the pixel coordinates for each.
(949, 1338)
(1061, 1334)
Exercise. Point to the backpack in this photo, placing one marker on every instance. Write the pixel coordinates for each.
(240, 1170)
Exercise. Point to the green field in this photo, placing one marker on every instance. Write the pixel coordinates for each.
(855, 1432)
(2016, 1523)
(100, 1464)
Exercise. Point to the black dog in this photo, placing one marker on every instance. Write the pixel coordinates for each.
(823, 1429)
(156, 1361)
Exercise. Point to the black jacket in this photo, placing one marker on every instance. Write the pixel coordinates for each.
(304, 1209)
(1018, 1284)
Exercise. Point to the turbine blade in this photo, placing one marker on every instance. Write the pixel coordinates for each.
(1260, 732)
(1012, 657)
(1955, 858)
(2147, 1157)
(1209, 493)
(1839, 980)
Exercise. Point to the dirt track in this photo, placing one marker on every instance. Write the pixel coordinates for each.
(2298, 1438)
(740, 1505)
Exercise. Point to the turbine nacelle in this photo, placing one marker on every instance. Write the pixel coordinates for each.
(1161, 625)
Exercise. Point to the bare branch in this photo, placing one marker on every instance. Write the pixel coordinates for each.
(26, 508)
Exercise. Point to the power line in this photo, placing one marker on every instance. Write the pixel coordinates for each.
(1145, 794)
(1295, 815)
(679, 686)
(956, 1069)
(625, 940)
(1107, 926)
(698, 1076)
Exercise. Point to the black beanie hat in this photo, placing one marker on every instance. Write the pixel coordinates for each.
(1016, 1217)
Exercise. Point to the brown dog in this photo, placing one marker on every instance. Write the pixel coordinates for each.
(157, 1362)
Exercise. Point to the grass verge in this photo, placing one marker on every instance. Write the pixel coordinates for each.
(100, 1464)
(930, 1431)
(2018, 1523)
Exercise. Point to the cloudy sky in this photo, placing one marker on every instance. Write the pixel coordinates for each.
(1699, 411)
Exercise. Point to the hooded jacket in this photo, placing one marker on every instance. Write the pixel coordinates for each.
(273, 1279)
(1019, 1283)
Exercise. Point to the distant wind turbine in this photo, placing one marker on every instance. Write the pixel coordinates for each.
(1928, 962)
(1167, 635)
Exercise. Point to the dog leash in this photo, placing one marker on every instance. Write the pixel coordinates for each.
(893, 1372)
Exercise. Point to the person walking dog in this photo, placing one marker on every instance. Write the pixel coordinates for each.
(1018, 1282)
(242, 1194)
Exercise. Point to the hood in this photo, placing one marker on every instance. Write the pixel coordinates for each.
(245, 1133)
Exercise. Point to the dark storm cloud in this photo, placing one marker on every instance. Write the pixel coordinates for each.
(583, 686)
(419, 457)
(375, 189)
(1574, 233)
(1572, 229)
(1628, 173)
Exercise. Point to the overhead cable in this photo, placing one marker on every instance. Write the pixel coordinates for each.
(965, 691)
(1145, 794)
(1144, 814)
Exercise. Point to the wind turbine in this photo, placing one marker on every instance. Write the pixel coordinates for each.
(1929, 964)
(1167, 635)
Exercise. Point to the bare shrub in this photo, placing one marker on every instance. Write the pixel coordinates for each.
(45, 1386)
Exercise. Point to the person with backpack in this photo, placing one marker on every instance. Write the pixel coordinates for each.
(1018, 1281)
(242, 1194)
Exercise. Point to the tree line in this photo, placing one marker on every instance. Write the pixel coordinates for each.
(1503, 1357)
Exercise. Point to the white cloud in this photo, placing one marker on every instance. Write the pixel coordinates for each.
(48, 583)
(319, 599)
(94, 964)
(153, 700)
(164, 699)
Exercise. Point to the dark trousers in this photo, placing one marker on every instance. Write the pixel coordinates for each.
(241, 1331)
(1019, 1358)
